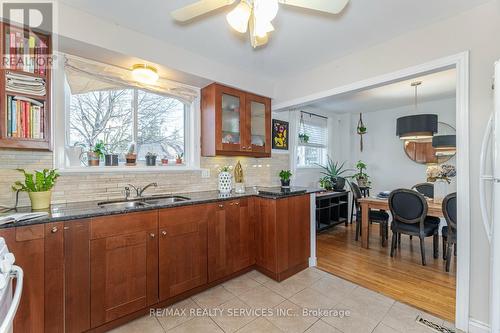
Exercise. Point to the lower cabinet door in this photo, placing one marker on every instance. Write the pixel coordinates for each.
(183, 249)
(230, 239)
(123, 274)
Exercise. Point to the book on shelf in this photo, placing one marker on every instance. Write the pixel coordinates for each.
(25, 52)
(25, 118)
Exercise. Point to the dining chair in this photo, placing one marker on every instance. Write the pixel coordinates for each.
(449, 232)
(409, 216)
(427, 189)
(375, 216)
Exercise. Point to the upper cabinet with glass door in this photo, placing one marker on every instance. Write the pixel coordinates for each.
(234, 123)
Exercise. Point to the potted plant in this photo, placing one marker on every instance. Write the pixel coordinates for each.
(39, 186)
(164, 160)
(150, 159)
(303, 138)
(110, 159)
(131, 156)
(285, 178)
(96, 153)
(326, 183)
(225, 179)
(178, 158)
(361, 176)
(334, 171)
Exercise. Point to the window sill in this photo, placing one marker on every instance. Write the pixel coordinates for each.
(127, 169)
(308, 167)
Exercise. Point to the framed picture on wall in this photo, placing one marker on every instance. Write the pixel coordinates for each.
(280, 134)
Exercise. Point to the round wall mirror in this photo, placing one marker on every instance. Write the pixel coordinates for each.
(423, 152)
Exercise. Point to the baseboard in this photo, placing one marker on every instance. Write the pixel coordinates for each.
(476, 326)
(313, 262)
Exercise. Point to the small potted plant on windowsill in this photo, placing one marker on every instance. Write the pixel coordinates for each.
(110, 159)
(164, 160)
(131, 156)
(39, 187)
(150, 159)
(179, 157)
(285, 178)
(96, 153)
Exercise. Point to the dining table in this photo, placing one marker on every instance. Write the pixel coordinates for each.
(435, 209)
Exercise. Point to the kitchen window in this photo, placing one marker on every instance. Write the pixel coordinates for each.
(312, 147)
(118, 117)
(103, 103)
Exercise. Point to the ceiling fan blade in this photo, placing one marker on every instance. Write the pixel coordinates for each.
(255, 40)
(327, 6)
(199, 8)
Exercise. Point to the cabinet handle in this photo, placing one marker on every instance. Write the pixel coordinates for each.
(236, 203)
(232, 203)
(221, 206)
(54, 230)
(164, 233)
(65, 228)
(152, 235)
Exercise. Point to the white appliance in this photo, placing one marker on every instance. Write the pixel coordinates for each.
(489, 194)
(8, 302)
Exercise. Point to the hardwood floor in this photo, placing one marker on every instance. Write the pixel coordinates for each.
(403, 277)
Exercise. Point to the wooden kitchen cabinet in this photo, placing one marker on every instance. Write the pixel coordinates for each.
(183, 248)
(234, 122)
(282, 235)
(124, 265)
(77, 275)
(230, 239)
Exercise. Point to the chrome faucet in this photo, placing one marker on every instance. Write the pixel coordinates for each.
(138, 190)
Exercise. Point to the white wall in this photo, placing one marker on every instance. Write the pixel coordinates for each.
(476, 30)
(83, 27)
(388, 166)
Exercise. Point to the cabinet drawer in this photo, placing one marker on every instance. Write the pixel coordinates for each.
(115, 225)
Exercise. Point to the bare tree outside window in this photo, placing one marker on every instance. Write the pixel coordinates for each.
(109, 116)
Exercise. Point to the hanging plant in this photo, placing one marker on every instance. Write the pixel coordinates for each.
(361, 130)
(303, 137)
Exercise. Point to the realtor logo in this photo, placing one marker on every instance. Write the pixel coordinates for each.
(28, 30)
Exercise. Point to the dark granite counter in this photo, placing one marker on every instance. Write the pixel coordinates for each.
(88, 209)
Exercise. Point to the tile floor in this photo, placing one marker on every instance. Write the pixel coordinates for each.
(255, 303)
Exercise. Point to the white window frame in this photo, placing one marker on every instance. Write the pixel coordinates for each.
(60, 133)
(297, 145)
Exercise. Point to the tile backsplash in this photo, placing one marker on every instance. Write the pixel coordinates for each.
(72, 187)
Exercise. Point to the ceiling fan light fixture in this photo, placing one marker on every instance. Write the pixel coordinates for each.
(262, 27)
(265, 9)
(144, 73)
(239, 16)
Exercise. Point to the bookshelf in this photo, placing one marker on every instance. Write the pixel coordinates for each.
(25, 87)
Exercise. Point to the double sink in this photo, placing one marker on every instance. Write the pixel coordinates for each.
(142, 202)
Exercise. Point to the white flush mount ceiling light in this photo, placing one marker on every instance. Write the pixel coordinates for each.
(255, 15)
(144, 73)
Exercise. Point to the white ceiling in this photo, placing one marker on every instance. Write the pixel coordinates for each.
(435, 86)
(303, 39)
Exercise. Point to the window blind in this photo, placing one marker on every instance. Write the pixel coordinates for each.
(316, 129)
(84, 75)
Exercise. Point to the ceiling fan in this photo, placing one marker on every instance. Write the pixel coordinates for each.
(254, 15)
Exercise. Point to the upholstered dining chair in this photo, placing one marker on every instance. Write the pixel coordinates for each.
(376, 216)
(409, 216)
(427, 189)
(449, 232)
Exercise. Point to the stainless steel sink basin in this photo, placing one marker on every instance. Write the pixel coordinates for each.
(165, 199)
(122, 204)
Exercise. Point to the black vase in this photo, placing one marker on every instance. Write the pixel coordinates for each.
(285, 183)
(111, 160)
(338, 183)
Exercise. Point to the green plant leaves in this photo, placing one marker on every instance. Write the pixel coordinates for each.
(40, 181)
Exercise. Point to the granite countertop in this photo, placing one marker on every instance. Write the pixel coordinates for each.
(88, 209)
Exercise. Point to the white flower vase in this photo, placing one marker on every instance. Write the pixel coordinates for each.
(440, 190)
(225, 182)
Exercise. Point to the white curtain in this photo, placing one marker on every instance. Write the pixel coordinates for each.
(85, 75)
